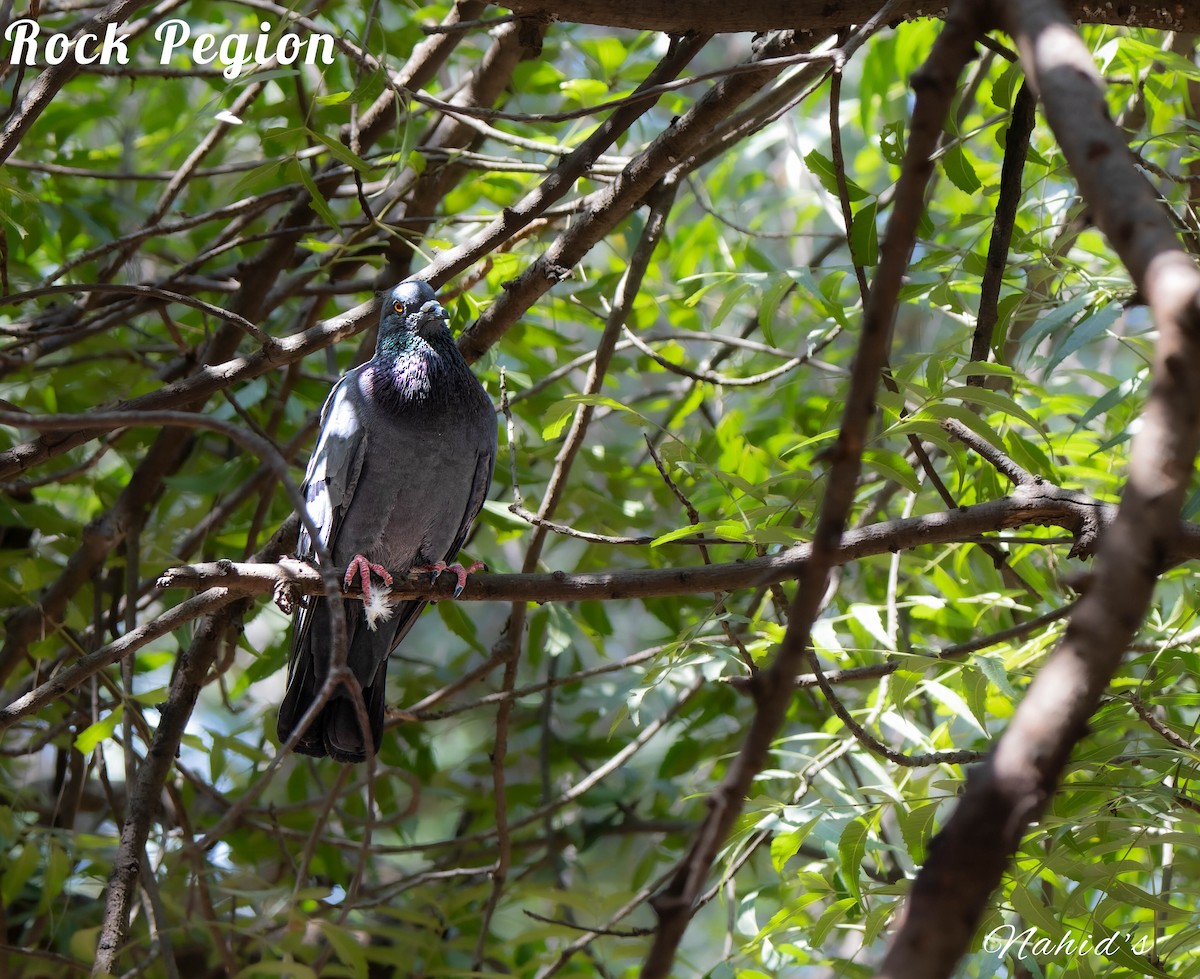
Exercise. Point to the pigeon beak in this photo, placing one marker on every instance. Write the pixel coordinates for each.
(432, 318)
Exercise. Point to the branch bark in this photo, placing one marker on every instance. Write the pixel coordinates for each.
(720, 16)
(1010, 791)
(935, 86)
(145, 800)
(1040, 505)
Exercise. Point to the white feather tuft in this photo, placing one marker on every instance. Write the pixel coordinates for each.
(378, 608)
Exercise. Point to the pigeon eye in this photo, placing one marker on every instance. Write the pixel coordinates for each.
(398, 306)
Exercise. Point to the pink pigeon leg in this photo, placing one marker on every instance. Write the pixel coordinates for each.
(459, 572)
(360, 566)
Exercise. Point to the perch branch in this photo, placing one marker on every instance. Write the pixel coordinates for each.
(1040, 505)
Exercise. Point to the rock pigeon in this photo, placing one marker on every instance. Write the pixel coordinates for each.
(401, 468)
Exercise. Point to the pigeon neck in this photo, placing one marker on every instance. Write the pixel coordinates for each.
(408, 368)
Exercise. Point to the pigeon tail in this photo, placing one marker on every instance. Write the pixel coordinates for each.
(344, 739)
(335, 731)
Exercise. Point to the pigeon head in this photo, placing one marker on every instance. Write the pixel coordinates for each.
(411, 308)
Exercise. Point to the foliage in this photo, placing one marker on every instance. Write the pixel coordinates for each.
(623, 714)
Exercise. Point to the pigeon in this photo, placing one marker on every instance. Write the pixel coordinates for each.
(402, 465)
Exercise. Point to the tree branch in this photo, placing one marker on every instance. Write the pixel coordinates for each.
(674, 144)
(144, 802)
(935, 86)
(1016, 147)
(1010, 791)
(54, 77)
(1041, 505)
(720, 16)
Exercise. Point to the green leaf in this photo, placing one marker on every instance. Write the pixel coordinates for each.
(833, 915)
(556, 420)
(341, 152)
(1053, 321)
(993, 400)
(718, 528)
(975, 690)
(93, 734)
(18, 871)
(560, 413)
(1110, 399)
(916, 823)
(852, 847)
(993, 668)
(768, 307)
(864, 237)
(960, 171)
(284, 970)
(982, 368)
(320, 205)
(821, 167)
(585, 91)
(348, 948)
(1004, 89)
(1031, 908)
(891, 143)
(252, 179)
(730, 300)
(83, 945)
(784, 846)
(1091, 326)
(54, 876)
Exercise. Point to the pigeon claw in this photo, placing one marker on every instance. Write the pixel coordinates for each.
(360, 566)
(459, 572)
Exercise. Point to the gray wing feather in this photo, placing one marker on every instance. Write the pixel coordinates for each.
(335, 465)
(479, 489)
(332, 475)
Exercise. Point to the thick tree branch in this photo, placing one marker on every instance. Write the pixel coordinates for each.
(572, 166)
(674, 144)
(1012, 789)
(144, 802)
(451, 134)
(720, 16)
(1041, 504)
(935, 86)
(54, 77)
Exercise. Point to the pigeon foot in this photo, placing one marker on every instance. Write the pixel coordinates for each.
(360, 566)
(459, 572)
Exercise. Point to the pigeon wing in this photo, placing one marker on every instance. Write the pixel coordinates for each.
(330, 482)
